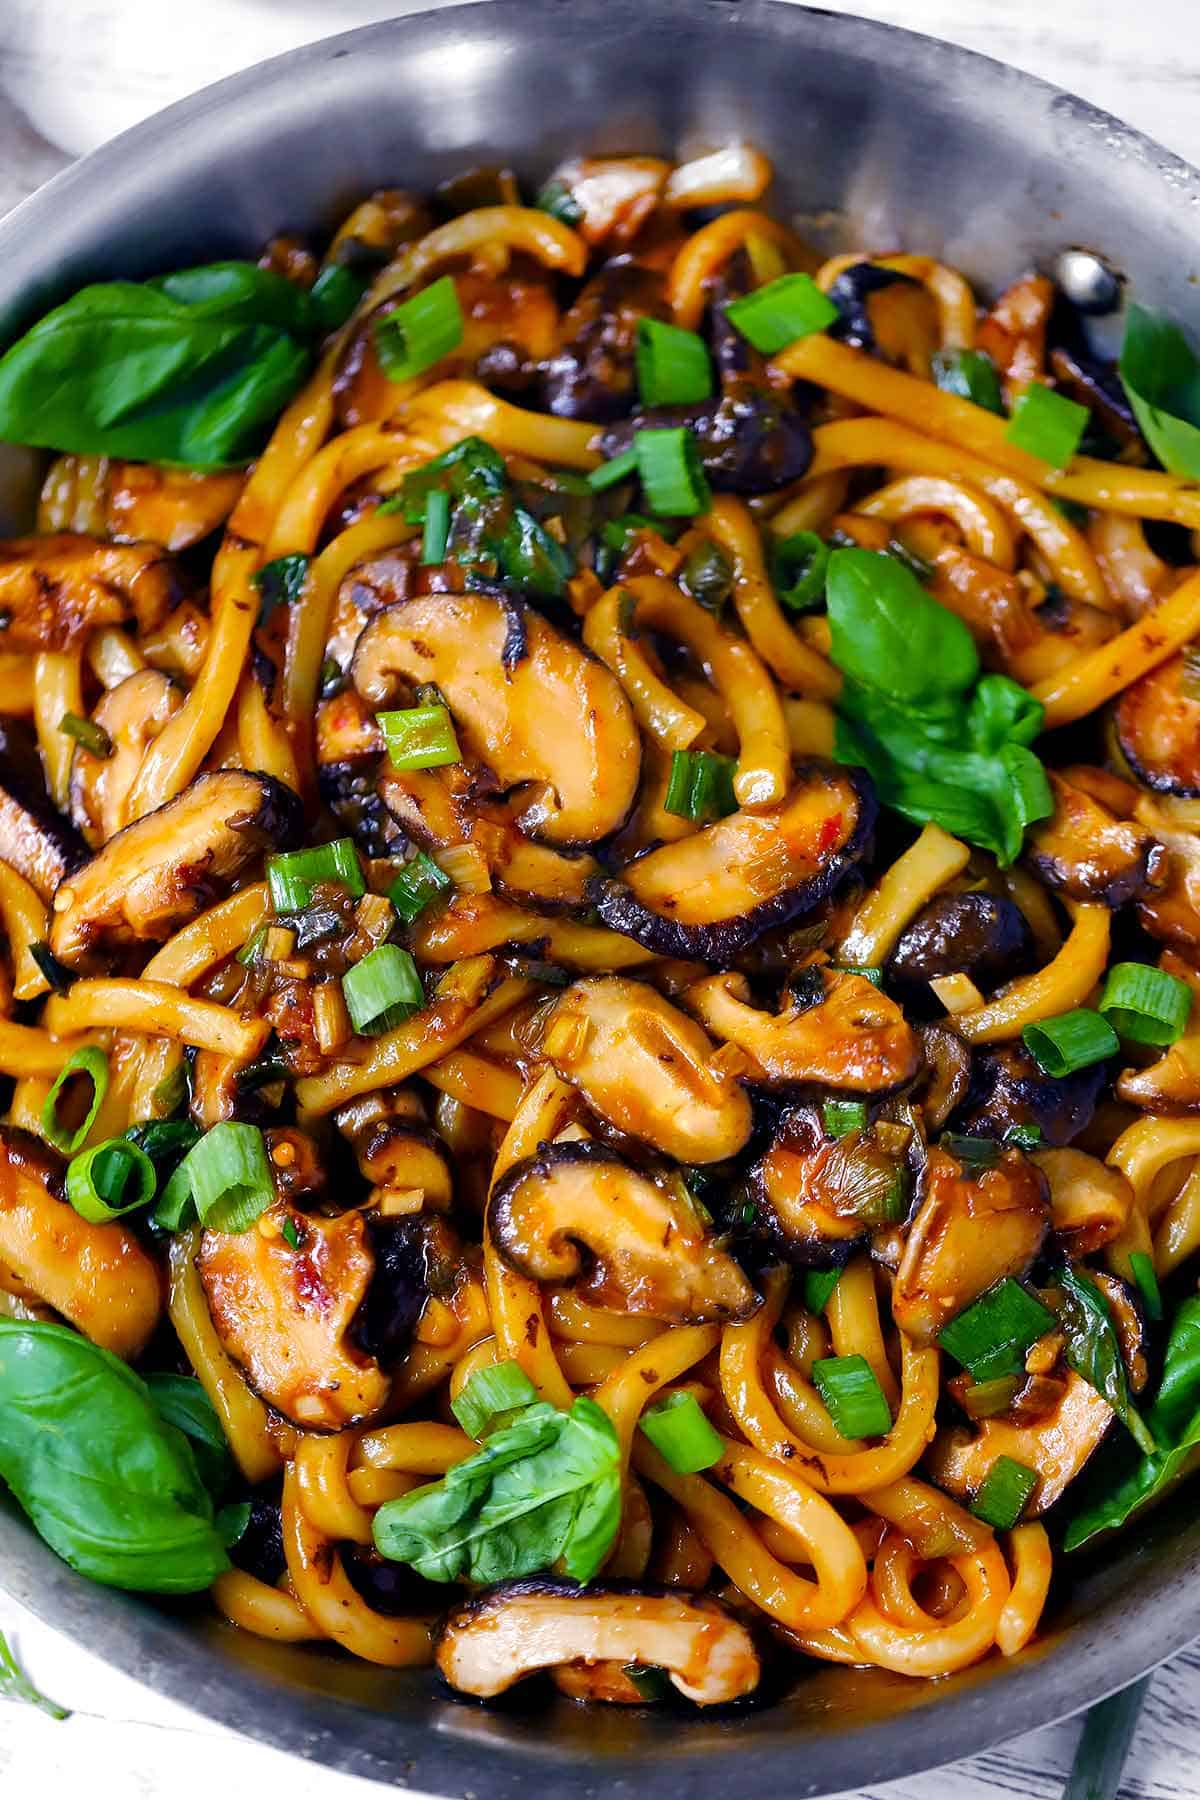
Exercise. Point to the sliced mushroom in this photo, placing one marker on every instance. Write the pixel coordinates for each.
(1157, 723)
(35, 839)
(576, 1212)
(1083, 851)
(54, 590)
(1007, 1088)
(983, 936)
(1128, 1316)
(133, 714)
(709, 895)
(169, 865)
(846, 1035)
(644, 1066)
(972, 1229)
(97, 1276)
(948, 1074)
(415, 1257)
(441, 809)
(531, 705)
(521, 1627)
(285, 1314)
(887, 312)
(395, 1149)
(1056, 1446)
(1090, 1201)
(819, 1198)
(592, 376)
(176, 508)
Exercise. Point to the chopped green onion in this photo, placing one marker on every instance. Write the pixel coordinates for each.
(617, 468)
(673, 365)
(1145, 1005)
(1143, 1273)
(1025, 1137)
(840, 1117)
(971, 374)
(557, 199)
(681, 1434)
(1047, 425)
(92, 1065)
(294, 874)
(419, 737)
(990, 1337)
(708, 575)
(975, 1152)
(818, 1286)
(171, 1091)
(853, 1397)
(280, 583)
(420, 331)
(491, 1393)
(798, 568)
(437, 527)
(700, 785)
(788, 308)
(56, 973)
(1001, 1500)
(252, 950)
(874, 976)
(651, 1682)
(335, 294)
(87, 734)
(227, 1178)
(291, 1235)
(1070, 1041)
(165, 1141)
(99, 1180)
(668, 462)
(985, 1399)
(616, 533)
(418, 885)
(383, 989)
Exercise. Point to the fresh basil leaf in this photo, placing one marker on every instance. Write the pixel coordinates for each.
(280, 582)
(888, 633)
(230, 1522)
(1093, 1350)
(1174, 1421)
(545, 1488)
(1161, 375)
(183, 1403)
(191, 368)
(109, 1485)
(16, 1685)
(1000, 712)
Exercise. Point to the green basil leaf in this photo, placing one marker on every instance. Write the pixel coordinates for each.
(109, 1485)
(1093, 1350)
(191, 369)
(545, 1488)
(1161, 375)
(230, 1522)
(1001, 712)
(183, 1403)
(888, 633)
(1174, 1421)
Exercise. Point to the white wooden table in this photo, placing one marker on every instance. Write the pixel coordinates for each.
(77, 71)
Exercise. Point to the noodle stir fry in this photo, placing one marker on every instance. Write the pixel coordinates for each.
(599, 831)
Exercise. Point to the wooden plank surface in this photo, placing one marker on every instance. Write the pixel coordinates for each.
(75, 72)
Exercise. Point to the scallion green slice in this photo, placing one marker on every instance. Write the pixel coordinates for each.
(818, 1286)
(774, 316)
(990, 1337)
(383, 989)
(420, 331)
(111, 1178)
(700, 785)
(419, 737)
(974, 1152)
(1070, 1041)
(87, 734)
(673, 365)
(798, 568)
(294, 874)
(1025, 1137)
(491, 1393)
(1047, 425)
(1001, 1500)
(971, 374)
(841, 1117)
(673, 481)
(853, 1397)
(681, 1434)
(91, 1065)
(226, 1177)
(617, 468)
(437, 527)
(419, 883)
(1145, 1005)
